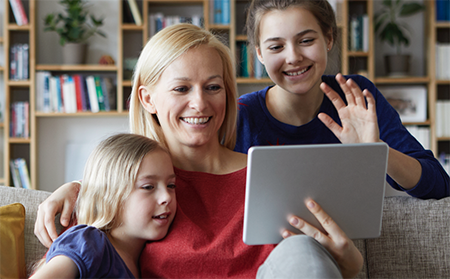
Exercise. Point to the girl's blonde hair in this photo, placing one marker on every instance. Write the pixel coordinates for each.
(159, 52)
(109, 177)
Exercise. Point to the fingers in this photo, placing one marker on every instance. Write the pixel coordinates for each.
(331, 124)
(371, 105)
(44, 228)
(353, 93)
(333, 96)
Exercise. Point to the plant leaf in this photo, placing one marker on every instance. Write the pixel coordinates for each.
(409, 9)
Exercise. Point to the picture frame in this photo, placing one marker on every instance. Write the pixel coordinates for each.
(409, 101)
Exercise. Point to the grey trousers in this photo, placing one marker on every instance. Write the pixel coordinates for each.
(299, 256)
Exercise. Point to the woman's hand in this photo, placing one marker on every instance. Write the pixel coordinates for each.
(61, 201)
(359, 122)
(334, 240)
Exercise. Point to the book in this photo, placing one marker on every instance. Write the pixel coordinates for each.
(135, 12)
(81, 106)
(100, 96)
(21, 166)
(92, 92)
(19, 12)
(217, 12)
(225, 11)
(43, 91)
(15, 174)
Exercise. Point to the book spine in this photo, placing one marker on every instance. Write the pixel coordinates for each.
(226, 11)
(78, 93)
(92, 92)
(15, 174)
(100, 96)
(135, 12)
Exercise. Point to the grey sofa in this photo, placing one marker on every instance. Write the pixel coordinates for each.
(415, 240)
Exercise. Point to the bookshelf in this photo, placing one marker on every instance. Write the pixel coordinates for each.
(2, 102)
(130, 38)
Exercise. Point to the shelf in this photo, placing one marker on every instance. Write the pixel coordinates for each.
(424, 123)
(219, 26)
(358, 54)
(81, 114)
(89, 67)
(169, 2)
(2, 68)
(241, 80)
(402, 80)
(443, 81)
(15, 27)
(442, 24)
(127, 83)
(443, 138)
(20, 140)
(241, 38)
(18, 83)
(1, 40)
(132, 26)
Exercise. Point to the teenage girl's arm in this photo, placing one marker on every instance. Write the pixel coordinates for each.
(360, 124)
(58, 267)
(60, 201)
(342, 248)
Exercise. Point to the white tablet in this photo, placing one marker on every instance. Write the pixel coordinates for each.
(347, 180)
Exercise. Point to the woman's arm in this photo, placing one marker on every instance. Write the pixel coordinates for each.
(61, 201)
(57, 267)
(334, 240)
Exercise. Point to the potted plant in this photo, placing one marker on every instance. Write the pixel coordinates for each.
(392, 30)
(74, 27)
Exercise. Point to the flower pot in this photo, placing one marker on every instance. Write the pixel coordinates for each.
(74, 53)
(397, 65)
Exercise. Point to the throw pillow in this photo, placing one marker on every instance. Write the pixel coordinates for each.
(12, 241)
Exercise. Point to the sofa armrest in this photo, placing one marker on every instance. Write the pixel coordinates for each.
(414, 243)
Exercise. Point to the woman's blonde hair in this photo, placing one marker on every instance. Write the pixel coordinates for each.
(159, 52)
(109, 177)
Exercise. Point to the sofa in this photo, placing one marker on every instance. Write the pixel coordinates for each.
(414, 243)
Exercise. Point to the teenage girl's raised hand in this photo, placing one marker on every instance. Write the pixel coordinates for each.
(359, 121)
(333, 239)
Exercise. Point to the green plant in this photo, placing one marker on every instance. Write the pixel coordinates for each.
(75, 26)
(387, 23)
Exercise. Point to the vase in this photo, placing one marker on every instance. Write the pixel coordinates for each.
(74, 53)
(397, 65)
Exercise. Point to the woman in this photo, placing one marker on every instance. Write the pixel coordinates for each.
(184, 96)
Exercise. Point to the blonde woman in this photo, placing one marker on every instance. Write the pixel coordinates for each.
(127, 198)
(184, 96)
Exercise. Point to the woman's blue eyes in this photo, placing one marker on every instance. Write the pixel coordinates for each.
(186, 89)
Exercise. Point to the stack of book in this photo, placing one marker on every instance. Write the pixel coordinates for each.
(19, 173)
(159, 21)
(74, 93)
(220, 11)
(442, 59)
(248, 63)
(443, 118)
(20, 118)
(442, 10)
(359, 33)
(19, 12)
(19, 62)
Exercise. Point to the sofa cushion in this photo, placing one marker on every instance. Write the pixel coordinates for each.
(12, 246)
(30, 199)
(414, 242)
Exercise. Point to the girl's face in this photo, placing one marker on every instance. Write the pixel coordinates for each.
(293, 49)
(189, 98)
(149, 210)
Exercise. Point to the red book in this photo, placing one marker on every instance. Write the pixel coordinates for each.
(78, 91)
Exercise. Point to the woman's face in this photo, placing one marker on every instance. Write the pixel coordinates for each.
(189, 98)
(293, 49)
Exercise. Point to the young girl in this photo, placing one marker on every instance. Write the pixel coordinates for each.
(127, 198)
(292, 39)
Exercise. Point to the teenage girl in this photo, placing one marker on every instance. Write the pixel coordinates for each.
(292, 39)
(127, 198)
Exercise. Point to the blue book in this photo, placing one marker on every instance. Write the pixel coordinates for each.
(442, 10)
(226, 11)
(217, 11)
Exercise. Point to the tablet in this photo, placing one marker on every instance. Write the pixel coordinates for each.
(347, 180)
